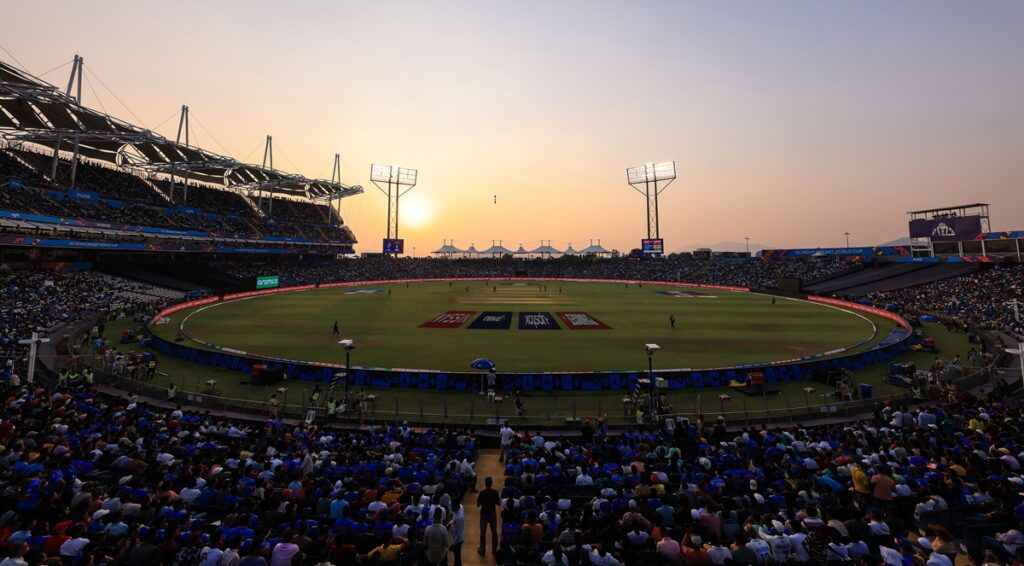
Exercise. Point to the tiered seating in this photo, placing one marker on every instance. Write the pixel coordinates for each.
(10, 166)
(866, 276)
(979, 298)
(934, 272)
(143, 206)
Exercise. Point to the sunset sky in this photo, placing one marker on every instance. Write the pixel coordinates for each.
(790, 122)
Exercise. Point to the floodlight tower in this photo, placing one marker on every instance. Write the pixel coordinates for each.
(655, 178)
(399, 181)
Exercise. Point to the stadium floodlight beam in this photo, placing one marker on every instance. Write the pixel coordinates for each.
(654, 178)
(398, 180)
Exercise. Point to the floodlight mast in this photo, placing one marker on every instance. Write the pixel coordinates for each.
(655, 178)
(399, 181)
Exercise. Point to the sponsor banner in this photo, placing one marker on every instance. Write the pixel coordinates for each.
(113, 203)
(859, 307)
(537, 321)
(686, 295)
(952, 228)
(450, 319)
(838, 252)
(493, 320)
(79, 194)
(581, 321)
(268, 281)
(365, 292)
(1006, 235)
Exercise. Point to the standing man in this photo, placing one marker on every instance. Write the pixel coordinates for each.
(773, 300)
(458, 530)
(437, 540)
(488, 501)
(672, 320)
(506, 434)
(492, 380)
(273, 406)
(336, 332)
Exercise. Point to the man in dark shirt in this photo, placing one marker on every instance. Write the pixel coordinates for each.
(487, 500)
(743, 554)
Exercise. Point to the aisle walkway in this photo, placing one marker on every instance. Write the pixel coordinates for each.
(486, 465)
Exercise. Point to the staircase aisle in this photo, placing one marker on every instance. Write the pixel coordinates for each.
(486, 465)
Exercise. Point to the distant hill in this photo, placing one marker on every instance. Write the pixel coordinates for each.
(728, 247)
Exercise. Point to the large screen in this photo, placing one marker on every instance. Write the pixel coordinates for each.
(267, 281)
(393, 246)
(652, 246)
(949, 228)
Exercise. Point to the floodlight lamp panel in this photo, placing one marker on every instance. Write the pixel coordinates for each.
(407, 176)
(651, 172)
(664, 171)
(636, 175)
(381, 173)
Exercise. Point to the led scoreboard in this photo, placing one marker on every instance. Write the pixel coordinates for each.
(654, 246)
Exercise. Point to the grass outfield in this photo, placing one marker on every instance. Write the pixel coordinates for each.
(542, 408)
(713, 328)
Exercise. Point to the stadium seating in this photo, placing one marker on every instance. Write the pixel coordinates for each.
(124, 198)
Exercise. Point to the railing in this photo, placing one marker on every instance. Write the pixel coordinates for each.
(541, 411)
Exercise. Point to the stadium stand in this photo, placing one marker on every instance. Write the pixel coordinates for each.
(130, 200)
(867, 276)
(747, 273)
(980, 298)
(93, 477)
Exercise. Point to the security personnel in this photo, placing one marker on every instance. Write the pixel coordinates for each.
(151, 368)
(332, 406)
(87, 374)
(315, 396)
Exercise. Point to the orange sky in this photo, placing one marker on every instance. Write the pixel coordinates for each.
(790, 122)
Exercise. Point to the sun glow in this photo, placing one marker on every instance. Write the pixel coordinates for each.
(416, 212)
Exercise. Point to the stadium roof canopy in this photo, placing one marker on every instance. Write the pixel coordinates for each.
(594, 249)
(472, 249)
(545, 249)
(448, 249)
(570, 250)
(496, 250)
(34, 111)
(945, 208)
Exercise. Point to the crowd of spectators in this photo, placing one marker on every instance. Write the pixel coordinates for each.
(143, 205)
(39, 301)
(909, 486)
(749, 272)
(90, 479)
(982, 299)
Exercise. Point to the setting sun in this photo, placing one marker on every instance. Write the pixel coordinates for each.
(415, 212)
